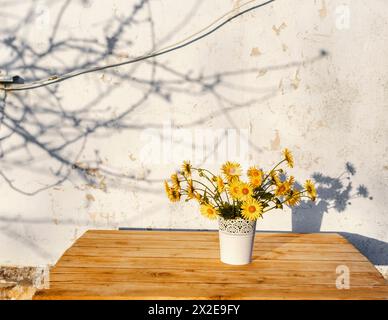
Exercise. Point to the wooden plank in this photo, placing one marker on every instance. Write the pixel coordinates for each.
(197, 244)
(93, 275)
(185, 265)
(152, 288)
(205, 263)
(234, 271)
(189, 234)
(204, 291)
(209, 236)
(278, 254)
(198, 233)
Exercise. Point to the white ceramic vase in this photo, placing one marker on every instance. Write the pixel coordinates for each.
(236, 240)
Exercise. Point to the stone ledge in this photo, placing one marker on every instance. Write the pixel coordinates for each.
(20, 283)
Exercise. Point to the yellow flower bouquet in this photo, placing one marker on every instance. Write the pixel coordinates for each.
(228, 196)
(238, 202)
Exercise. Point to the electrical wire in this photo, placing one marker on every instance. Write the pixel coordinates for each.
(179, 45)
(209, 26)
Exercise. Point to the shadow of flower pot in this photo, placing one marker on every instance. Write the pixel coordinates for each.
(334, 193)
(308, 218)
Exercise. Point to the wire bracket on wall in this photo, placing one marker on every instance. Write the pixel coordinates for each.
(7, 80)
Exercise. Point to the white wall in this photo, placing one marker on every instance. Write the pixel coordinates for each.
(273, 84)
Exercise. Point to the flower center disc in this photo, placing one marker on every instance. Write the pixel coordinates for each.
(252, 209)
(245, 191)
(209, 211)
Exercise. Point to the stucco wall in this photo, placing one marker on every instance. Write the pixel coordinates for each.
(307, 75)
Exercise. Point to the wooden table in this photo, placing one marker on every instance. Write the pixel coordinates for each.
(185, 265)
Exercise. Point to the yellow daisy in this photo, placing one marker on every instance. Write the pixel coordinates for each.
(190, 190)
(175, 182)
(255, 182)
(289, 157)
(220, 184)
(251, 209)
(310, 188)
(255, 176)
(174, 195)
(275, 178)
(198, 196)
(167, 188)
(233, 179)
(209, 211)
(234, 189)
(231, 169)
(295, 198)
(246, 191)
(282, 189)
(186, 168)
(291, 180)
(253, 172)
(240, 190)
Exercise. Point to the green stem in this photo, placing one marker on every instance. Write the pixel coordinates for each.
(198, 169)
(204, 185)
(227, 196)
(273, 169)
(284, 201)
(211, 181)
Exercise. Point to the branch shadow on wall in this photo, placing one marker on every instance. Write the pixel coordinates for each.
(336, 194)
(42, 134)
(45, 123)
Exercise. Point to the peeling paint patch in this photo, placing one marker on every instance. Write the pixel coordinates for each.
(275, 143)
(90, 197)
(97, 180)
(255, 52)
(261, 73)
(281, 86)
(296, 81)
(322, 124)
(123, 56)
(323, 10)
(279, 29)
(236, 5)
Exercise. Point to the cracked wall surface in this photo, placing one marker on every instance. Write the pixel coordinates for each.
(307, 75)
